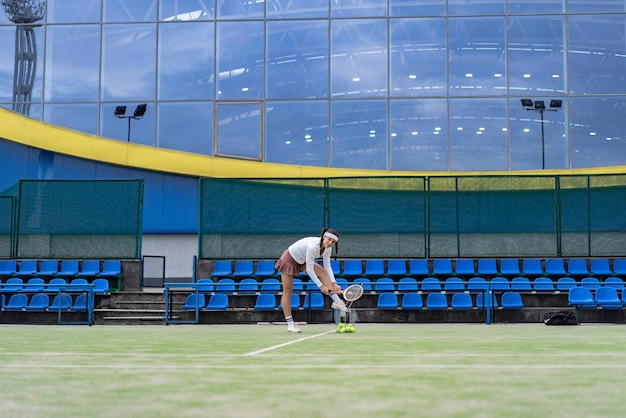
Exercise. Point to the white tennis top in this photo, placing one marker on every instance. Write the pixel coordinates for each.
(306, 251)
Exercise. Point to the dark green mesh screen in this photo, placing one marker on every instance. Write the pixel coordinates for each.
(80, 219)
(7, 222)
(477, 216)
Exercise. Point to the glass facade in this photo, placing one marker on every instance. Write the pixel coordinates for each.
(391, 85)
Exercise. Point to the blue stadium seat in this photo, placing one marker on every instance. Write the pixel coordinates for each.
(316, 300)
(543, 284)
(222, 268)
(265, 302)
(265, 268)
(476, 284)
(352, 268)
(565, 283)
(89, 268)
(555, 267)
(590, 282)
(412, 301)
(295, 302)
(462, 301)
(499, 283)
(13, 284)
(521, 283)
(298, 286)
(17, 302)
(442, 267)
(396, 268)
(487, 267)
(80, 303)
(581, 297)
(218, 302)
(532, 267)
(8, 268)
(365, 283)
(374, 268)
(577, 267)
(407, 284)
(243, 268)
(69, 268)
(387, 301)
(247, 286)
(454, 284)
(100, 286)
(194, 301)
(205, 285)
(419, 267)
(79, 281)
(271, 285)
(27, 268)
(111, 268)
(511, 300)
(463, 267)
(36, 284)
(61, 301)
(430, 284)
(48, 268)
(607, 298)
(310, 286)
(225, 285)
(55, 285)
(479, 301)
(600, 267)
(436, 301)
(619, 267)
(510, 267)
(616, 282)
(384, 284)
(335, 265)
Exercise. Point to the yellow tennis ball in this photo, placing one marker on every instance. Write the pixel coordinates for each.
(341, 325)
(342, 330)
(352, 328)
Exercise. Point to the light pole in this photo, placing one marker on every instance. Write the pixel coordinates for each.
(540, 106)
(137, 114)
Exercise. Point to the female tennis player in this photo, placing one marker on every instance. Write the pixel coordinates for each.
(300, 257)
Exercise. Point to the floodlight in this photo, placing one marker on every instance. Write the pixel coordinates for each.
(120, 111)
(540, 104)
(556, 103)
(140, 110)
(527, 103)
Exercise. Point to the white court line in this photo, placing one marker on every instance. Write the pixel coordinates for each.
(254, 353)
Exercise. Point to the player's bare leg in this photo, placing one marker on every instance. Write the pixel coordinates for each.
(287, 282)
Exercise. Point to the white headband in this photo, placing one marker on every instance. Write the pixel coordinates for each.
(331, 235)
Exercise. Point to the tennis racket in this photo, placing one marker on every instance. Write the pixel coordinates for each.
(352, 293)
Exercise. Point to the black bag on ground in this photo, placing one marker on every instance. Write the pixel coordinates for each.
(560, 318)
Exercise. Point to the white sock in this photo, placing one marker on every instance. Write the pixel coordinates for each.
(335, 297)
(289, 320)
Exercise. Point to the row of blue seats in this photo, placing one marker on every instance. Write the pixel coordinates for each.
(41, 302)
(414, 301)
(64, 268)
(604, 297)
(410, 284)
(440, 267)
(36, 284)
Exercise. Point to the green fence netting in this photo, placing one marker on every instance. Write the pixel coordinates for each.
(408, 217)
(77, 219)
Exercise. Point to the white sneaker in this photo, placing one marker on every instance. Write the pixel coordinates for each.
(293, 329)
(339, 305)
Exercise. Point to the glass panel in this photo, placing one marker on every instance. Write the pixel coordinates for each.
(477, 56)
(239, 130)
(297, 59)
(417, 8)
(535, 144)
(7, 65)
(240, 9)
(75, 11)
(73, 63)
(478, 135)
(128, 62)
(129, 10)
(418, 57)
(240, 60)
(597, 54)
(186, 127)
(536, 6)
(598, 126)
(465, 7)
(186, 63)
(575, 6)
(359, 58)
(297, 133)
(184, 10)
(536, 56)
(80, 117)
(290, 9)
(359, 134)
(419, 134)
(358, 8)
(137, 131)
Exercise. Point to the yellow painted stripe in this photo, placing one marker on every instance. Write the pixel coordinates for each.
(27, 131)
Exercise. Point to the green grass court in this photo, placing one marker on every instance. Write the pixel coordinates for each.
(380, 371)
